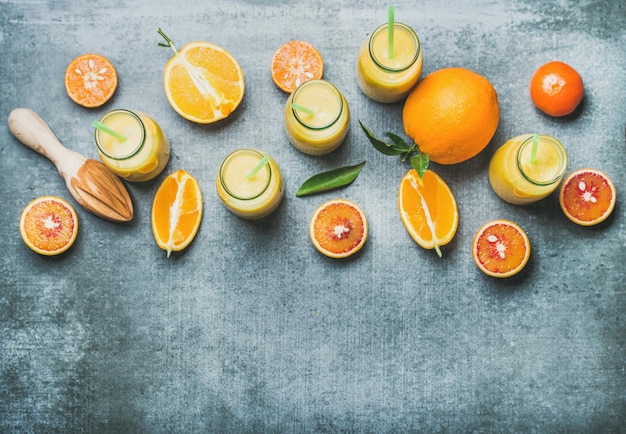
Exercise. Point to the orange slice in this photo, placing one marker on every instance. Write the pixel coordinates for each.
(294, 63)
(49, 225)
(500, 248)
(428, 209)
(176, 212)
(338, 228)
(90, 80)
(203, 82)
(587, 197)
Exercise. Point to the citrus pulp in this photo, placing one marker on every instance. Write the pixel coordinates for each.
(49, 225)
(338, 228)
(500, 248)
(587, 196)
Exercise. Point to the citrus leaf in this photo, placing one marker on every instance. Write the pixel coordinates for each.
(330, 180)
(419, 161)
(396, 148)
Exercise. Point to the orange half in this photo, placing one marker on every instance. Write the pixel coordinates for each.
(587, 197)
(49, 225)
(338, 228)
(501, 248)
(294, 63)
(90, 80)
(428, 209)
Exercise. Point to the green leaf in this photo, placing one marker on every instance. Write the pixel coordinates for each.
(330, 180)
(396, 148)
(419, 161)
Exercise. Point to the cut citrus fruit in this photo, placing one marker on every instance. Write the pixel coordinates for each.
(176, 212)
(338, 228)
(428, 209)
(203, 82)
(294, 63)
(90, 80)
(587, 197)
(49, 225)
(556, 89)
(501, 248)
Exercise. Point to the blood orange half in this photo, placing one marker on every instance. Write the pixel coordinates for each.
(587, 197)
(338, 228)
(49, 225)
(501, 248)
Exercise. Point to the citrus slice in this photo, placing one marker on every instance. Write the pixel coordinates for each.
(176, 212)
(49, 225)
(90, 80)
(203, 82)
(338, 228)
(500, 248)
(587, 197)
(294, 63)
(428, 209)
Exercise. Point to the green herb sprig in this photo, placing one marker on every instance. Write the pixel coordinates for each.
(419, 161)
(330, 180)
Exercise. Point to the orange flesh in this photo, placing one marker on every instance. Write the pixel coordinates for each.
(49, 225)
(339, 228)
(587, 196)
(294, 63)
(90, 80)
(501, 249)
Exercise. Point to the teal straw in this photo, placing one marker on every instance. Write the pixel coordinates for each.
(533, 150)
(390, 26)
(258, 167)
(109, 131)
(303, 109)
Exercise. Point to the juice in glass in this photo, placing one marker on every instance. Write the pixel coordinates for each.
(143, 152)
(518, 178)
(386, 79)
(322, 130)
(249, 197)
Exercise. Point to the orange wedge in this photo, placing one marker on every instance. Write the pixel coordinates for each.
(500, 248)
(294, 63)
(90, 80)
(203, 82)
(428, 209)
(49, 225)
(338, 228)
(176, 212)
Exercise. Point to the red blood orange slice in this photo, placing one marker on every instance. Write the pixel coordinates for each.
(338, 228)
(587, 197)
(48, 225)
(500, 248)
(294, 63)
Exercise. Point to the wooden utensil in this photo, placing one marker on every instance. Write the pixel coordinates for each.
(90, 182)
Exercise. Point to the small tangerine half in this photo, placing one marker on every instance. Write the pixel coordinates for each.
(294, 63)
(90, 80)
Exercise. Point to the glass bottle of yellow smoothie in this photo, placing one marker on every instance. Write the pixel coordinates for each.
(250, 197)
(521, 175)
(386, 78)
(140, 152)
(316, 117)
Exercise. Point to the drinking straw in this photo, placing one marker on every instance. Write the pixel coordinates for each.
(303, 109)
(390, 26)
(109, 131)
(533, 150)
(258, 167)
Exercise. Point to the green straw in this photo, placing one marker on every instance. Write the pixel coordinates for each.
(303, 109)
(390, 26)
(533, 150)
(109, 131)
(258, 167)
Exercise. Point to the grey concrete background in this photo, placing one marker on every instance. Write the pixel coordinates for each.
(250, 329)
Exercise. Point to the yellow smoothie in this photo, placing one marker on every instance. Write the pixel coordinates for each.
(517, 179)
(144, 152)
(389, 79)
(322, 131)
(249, 197)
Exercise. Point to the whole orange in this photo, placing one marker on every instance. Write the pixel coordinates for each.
(452, 115)
(556, 88)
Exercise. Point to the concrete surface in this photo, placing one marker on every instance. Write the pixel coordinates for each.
(250, 329)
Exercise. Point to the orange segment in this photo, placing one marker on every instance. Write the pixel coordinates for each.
(203, 82)
(501, 248)
(294, 63)
(176, 212)
(428, 209)
(587, 197)
(49, 225)
(90, 80)
(338, 228)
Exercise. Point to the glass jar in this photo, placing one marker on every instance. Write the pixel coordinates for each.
(141, 154)
(385, 79)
